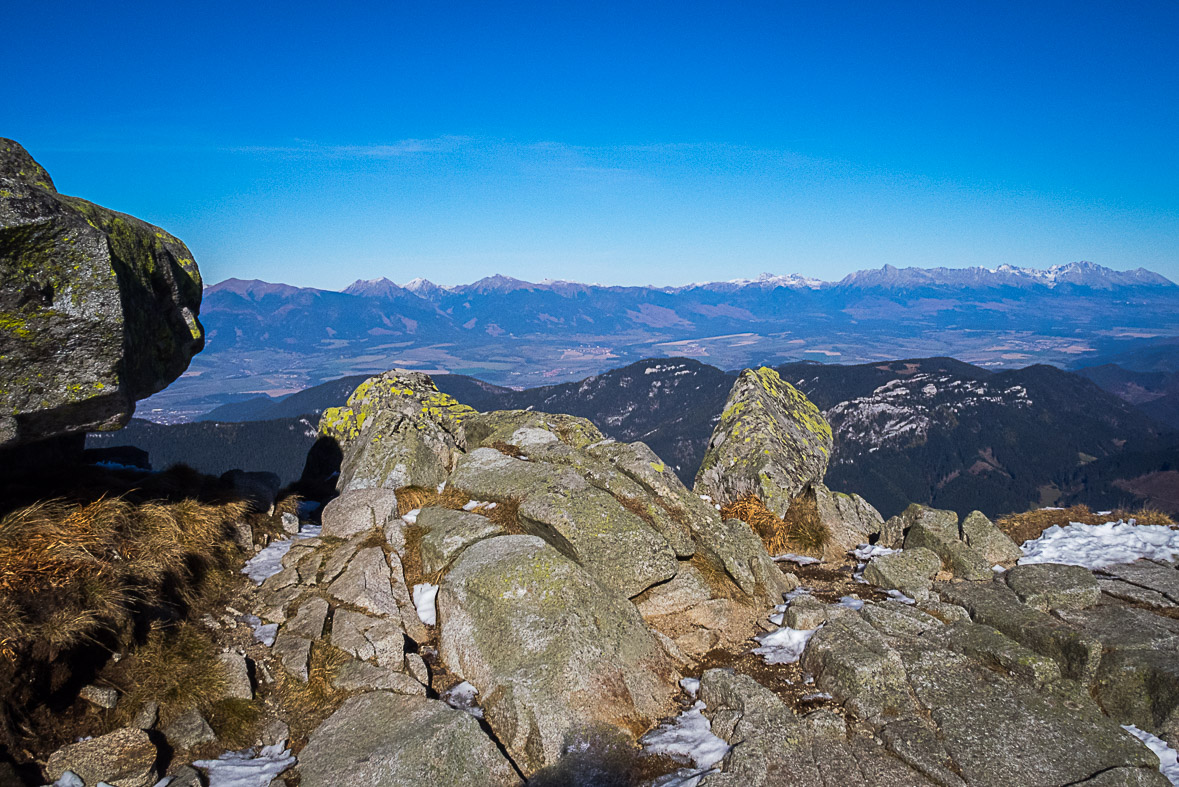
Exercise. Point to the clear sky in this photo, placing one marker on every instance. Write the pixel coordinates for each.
(632, 143)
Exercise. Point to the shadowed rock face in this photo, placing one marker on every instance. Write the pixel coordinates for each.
(97, 309)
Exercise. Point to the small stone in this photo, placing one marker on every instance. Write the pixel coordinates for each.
(415, 665)
(237, 676)
(290, 523)
(243, 535)
(275, 731)
(991, 542)
(294, 652)
(187, 730)
(805, 613)
(125, 758)
(102, 696)
(147, 715)
(186, 776)
(910, 571)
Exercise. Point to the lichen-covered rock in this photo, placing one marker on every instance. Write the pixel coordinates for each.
(771, 441)
(382, 739)
(910, 571)
(396, 430)
(525, 429)
(123, 758)
(97, 309)
(993, 544)
(939, 534)
(853, 661)
(548, 647)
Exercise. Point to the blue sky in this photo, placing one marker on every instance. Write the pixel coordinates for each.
(629, 143)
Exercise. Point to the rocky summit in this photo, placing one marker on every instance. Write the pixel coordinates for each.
(97, 309)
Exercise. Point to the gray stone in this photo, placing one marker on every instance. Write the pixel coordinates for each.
(771, 441)
(946, 613)
(102, 696)
(989, 541)
(367, 583)
(935, 533)
(684, 591)
(381, 739)
(147, 716)
(988, 646)
(362, 676)
(293, 652)
(186, 776)
(851, 660)
(1125, 591)
(1046, 586)
(593, 528)
(368, 638)
(123, 758)
(910, 571)
(243, 536)
(445, 533)
(359, 511)
(308, 621)
(850, 520)
(899, 620)
(290, 522)
(993, 604)
(915, 741)
(275, 731)
(274, 604)
(187, 730)
(413, 626)
(237, 676)
(518, 619)
(415, 665)
(805, 612)
(486, 474)
(529, 429)
(338, 560)
(1147, 574)
(100, 308)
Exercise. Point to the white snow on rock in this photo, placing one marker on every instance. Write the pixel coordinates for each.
(865, 552)
(691, 686)
(71, 779)
(896, 595)
(801, 560)
(268, 561)
(247, 769)
(423, 599)
(411, 517)
(462, 697)
(686, 738)
(263, 632)
(784, 646)
(1098, 546)
(851, 602)
(1168, 757)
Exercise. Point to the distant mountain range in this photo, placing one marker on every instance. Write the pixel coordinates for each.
(275, 338)
(932, 430)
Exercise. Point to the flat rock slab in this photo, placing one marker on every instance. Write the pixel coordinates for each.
(362, 676)
(382, 739)
(367, 583)
(368, 638)
(1149, 575)
(358, 511)
(445, 533)
(1046, 586)
(910, 571)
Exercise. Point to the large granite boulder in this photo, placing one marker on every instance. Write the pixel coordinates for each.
(552, 651)
(771, 442)
(97, 309)
(396, 430)
(385, 739)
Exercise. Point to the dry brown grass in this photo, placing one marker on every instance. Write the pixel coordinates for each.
(638, 508)
(308, 704)
(69, 570)
(1030, 524)
(506, 514)
(413, 497)
(800, 531)
(176, 667)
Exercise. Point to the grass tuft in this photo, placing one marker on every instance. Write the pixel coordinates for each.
(800, 531)
(508, 449)
(415, 497)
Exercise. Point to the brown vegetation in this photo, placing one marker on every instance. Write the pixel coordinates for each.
(800, 531)
(1030, 524)
(410, 498)
(509, 449)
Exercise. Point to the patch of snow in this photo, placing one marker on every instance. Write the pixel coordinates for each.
(998, 569)
(1098, 546)
(462, 697)
(868, 551)
(268, 561)
(423, 600)
(247, 769)
(71, 779)
(441, 487)
(411, 517)
(471, 505)
(263, 632)
(687, 738)
(691, 686)
(802, 560)
(819, 695)
(784, 646)
(851, 602)
(896, 595)
(1168, 757)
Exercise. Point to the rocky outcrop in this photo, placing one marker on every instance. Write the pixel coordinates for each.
(123, 758)
(550, 649)
(396, 430)
(97, 309)
(771, 442)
